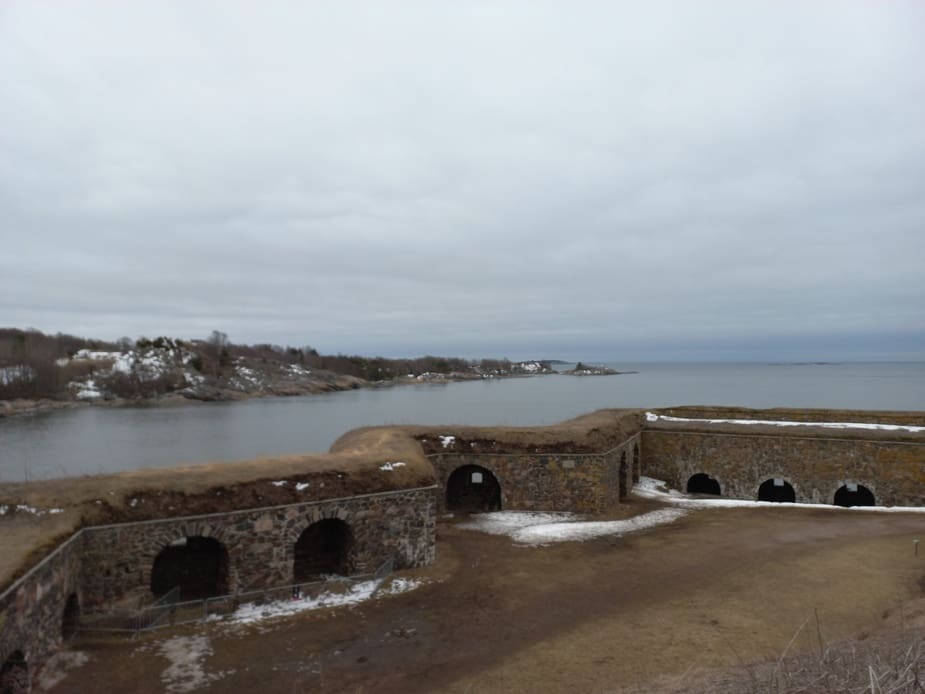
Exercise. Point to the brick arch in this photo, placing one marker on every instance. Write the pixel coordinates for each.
(15, 674)
(833, 488)
(159, 538)
(490, 492)
(313, 515)
(450, 466)
(799, 496)
(340, 559)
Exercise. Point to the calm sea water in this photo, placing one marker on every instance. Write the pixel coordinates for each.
(96, 439)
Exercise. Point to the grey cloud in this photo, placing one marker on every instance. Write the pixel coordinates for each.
(483, 179)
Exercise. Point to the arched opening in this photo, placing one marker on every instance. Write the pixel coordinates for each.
(14, 674)
(854, 495)
(622, 488)
(322, 549)
(473, 489)
(637, 463)
(776, 489)
(702, 483)
(70, 616)
(198, 566)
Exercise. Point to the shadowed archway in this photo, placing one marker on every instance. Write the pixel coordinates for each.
(323, 548)
(776, 489)
(473, 489)
(854, 495)
(622, 488)
(69, 617)
(702, 483)
(14, 674)
(197, 565)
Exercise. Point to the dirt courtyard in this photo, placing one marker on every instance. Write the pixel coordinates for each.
(643, 612)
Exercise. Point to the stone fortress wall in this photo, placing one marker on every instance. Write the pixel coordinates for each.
(816, 467)
(585, 465)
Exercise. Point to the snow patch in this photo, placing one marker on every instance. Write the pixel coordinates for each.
(25, 508)
(186, 655)
(530, 528)
(12, 374)
(301, 486)
(87, 390)
(652, 417)
(649, 488)
(249, 613)
(388, 467)
(56, 668)
(280, 483)
(447, 441)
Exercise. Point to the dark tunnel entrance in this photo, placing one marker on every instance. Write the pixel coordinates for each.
(70, 616)
(622, 488)
(854, 495)
(473, 489)
(776, 489)
(702, 483)
(322, 549)
(14, 674)
(197, 565)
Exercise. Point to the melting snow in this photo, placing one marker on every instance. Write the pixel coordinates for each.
(391, 466)
(530, 528)
(88, 391)
(25, 508)
(650, 488)
(447, 441)
(186, 655)
(652, 417)
(359, 592)
(11, 374)
(301, 485)
(280, 483)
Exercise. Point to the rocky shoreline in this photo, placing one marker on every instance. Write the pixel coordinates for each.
(317, 382)
(169, 373)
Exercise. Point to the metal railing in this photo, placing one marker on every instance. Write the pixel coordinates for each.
(169, 610)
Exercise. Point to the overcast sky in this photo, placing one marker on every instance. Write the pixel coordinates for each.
(658, 180)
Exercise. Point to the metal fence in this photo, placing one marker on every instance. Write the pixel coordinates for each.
(168, 610)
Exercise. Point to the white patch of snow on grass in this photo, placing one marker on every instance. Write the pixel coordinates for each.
(25, 508)
(587, 530)
(357, 593)
(388, 467)
(530, 528)
(649, 488)
(652, 417)
(186, 655)
(12, 374)
(447, 441)
(87, 390)
(508, 522)
(280, 483)
(56, 668)
(301, 486)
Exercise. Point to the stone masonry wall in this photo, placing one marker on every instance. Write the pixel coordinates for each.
(587, 483)
(815, 466)
(260, 543)
(32, 611)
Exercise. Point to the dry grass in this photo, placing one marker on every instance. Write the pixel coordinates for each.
(889, 663)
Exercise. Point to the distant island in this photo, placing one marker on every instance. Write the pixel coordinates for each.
(41, 372)
(581, 369)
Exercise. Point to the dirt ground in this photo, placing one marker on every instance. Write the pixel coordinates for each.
(716, 589)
